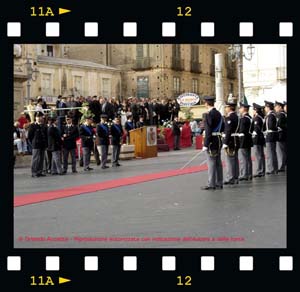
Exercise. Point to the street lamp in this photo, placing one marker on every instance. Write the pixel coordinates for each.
(236, 54)
(31, 75)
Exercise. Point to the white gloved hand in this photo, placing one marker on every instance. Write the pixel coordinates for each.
(204, 148)
(224, 146)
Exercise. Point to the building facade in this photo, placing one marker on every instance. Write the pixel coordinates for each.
(162, 70)
(265, 75)
(54, 74)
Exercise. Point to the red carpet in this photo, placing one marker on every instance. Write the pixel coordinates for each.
(28, 199)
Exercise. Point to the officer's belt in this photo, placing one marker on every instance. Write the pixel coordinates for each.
(216, 134)
(235, 135)
(270, 131)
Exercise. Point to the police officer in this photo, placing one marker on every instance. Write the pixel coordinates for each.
(231, 144)
(116, 138)
(37, 135)
(246, 143)
(86, 134)
(271, 136)
(102, 140)
(258, 139)
(212, 144)
(55, 145)
(282, 136)
(285, 106)
(69, 135)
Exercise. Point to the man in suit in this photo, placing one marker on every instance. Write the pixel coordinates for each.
(271, 136)
(231, 144)
(69, 135)
(37, 135)
(116, 139)
(129, 125)
(140, 123)
(54, 146)
(245, 138)
(258, 139)
(176, 133)
(86, 134)
(212, 144)
(102, 140)
(282, 136)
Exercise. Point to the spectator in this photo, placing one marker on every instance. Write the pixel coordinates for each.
(22, 120)
(176, 134)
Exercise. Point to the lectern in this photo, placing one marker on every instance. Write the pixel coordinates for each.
(145, 141)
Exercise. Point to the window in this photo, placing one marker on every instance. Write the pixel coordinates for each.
(194, 53)
(50, 51)
(176, 84)
(46, 84)
(195, 85)
(78, 85)
(231, 87)
(142, 86)
(176, 51)
(106, 86)
(142, 51)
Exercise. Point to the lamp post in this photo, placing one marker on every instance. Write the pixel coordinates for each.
(31, 75)
(236, 54)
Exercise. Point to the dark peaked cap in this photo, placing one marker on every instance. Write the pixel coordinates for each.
(269, 103)
(207, 98)
(257, 106)
(244, 105)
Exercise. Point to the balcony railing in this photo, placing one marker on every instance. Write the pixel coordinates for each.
(196, 67)
(281, 73)
(177, 64)
(142, 64)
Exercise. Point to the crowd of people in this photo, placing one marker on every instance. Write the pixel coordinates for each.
(237, 134)
(49, 134)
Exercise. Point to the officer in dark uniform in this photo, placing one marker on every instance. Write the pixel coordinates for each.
(37, 135)
(282, 136)
(116, 138)
(231, 144)
(176, 133)
(285, 106)
(271, 136)
(69, 135)
(213, 125)
(102, 140)
(86, 134)
(258, 139)
(55, 145)
(246, 143)
(129, 125)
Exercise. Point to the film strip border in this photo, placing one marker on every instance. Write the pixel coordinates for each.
(168, 263)
(168, 29)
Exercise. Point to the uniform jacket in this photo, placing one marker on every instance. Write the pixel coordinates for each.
(213, 123)
(116, 134)
(257, 130)
(282, 126)
(102, 134)
(37, 135)
(129, 126)
(230, 131)
(245, 131)
(54, 139)
(86, 134)
(270, 127)
(72, 133)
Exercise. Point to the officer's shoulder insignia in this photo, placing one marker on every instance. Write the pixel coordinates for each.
(228, 122)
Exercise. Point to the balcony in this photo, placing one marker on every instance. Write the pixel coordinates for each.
(281, 73)
(142, 64)
(177, 64)
(231, 73)
(212, 70)
(196, 67)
